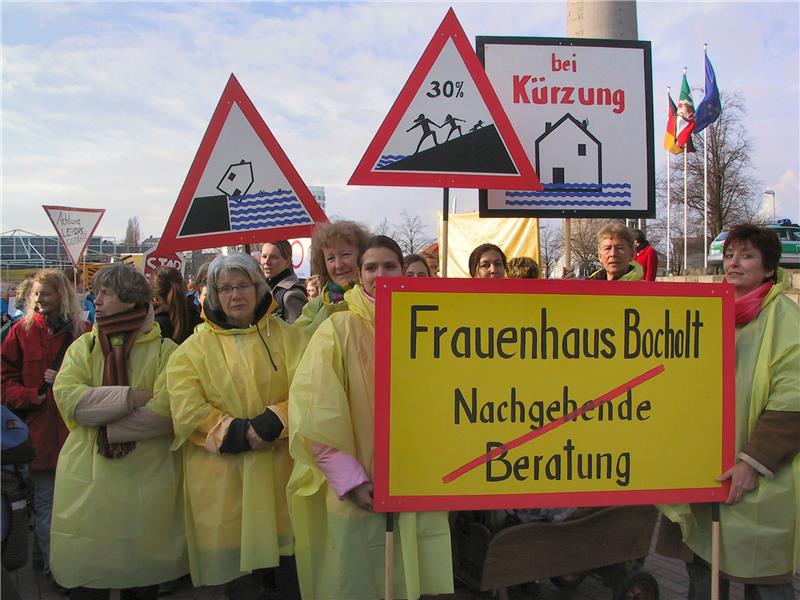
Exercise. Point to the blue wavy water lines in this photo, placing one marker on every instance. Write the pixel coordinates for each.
(237, 210)
(387, 159)
(568, 194)
(568, 202)
(271, 223)
(272, 215)
(278, 192)
(585, 185)
(263, 202)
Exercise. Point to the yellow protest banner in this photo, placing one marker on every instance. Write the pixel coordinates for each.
(515, 393)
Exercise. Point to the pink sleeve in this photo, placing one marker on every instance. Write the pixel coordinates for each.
(342, 471)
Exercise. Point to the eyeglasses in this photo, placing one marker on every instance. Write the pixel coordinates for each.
(227, 290)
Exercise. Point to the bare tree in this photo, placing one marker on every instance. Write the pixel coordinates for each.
(583, 241)
(132, 235)
(551, 248)
(383, 228)
(733, 189)
(411, 233)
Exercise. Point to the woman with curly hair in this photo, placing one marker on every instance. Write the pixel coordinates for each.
(335, 248)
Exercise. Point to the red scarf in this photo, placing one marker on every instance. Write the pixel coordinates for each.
(748, 306)
(115, 369)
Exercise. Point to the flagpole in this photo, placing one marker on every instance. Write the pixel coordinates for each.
(685, 211)
(669, 207)
(705, 176)
(685, 202)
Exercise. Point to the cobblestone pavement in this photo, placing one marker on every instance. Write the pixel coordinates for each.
(670, 574)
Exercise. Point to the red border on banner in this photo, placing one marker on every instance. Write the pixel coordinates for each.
(48, 207)
(170, 241)
(386, 287)
(526, 179)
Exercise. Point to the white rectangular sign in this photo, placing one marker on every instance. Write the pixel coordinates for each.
(583, 112)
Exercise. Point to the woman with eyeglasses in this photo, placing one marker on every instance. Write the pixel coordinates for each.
(229, 385)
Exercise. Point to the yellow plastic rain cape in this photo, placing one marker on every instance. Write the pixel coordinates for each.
(759, 536)
(315, 312)
(236, 514)
(340, 548)
(117, 523)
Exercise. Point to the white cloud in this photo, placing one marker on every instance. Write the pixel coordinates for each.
(111, 111)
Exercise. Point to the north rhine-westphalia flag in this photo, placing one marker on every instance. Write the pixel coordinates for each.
(670, 143)
(684, 126)
(710, 106)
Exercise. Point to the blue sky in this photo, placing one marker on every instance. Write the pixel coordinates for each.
(105, 104)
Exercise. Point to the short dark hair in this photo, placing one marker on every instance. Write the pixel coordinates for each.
(126, 282)
(415, 258)
(381, 241)
(475, 257)
(764, 239)
(638, 236)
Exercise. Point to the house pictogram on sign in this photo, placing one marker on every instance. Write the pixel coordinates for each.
(447, 127)
(241, 187)
(568, 156)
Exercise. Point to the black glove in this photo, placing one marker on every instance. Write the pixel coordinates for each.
(235, 440)
(267, 425)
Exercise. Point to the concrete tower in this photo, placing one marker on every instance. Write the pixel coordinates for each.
(613, 20)
(600, 19)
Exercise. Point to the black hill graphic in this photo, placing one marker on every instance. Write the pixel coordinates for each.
(207, 214)
(480, 151)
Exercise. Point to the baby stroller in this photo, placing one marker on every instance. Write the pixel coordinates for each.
(608, 542)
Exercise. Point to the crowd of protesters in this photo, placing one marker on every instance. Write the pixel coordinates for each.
(227, 432)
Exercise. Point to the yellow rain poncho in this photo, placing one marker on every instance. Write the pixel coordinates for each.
(760, 535)
(117, 523)
(236, 514)
(339, 547)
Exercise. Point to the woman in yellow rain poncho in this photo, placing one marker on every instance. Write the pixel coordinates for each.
(759, 523)
(118, 508)
(229, 385)
(339, 540)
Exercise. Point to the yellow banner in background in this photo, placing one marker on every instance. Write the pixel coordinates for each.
(466, 231)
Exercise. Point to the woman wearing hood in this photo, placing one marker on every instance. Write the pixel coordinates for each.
(229, 386)
(340, 540)
(117, 514)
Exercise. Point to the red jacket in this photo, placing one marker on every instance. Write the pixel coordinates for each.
(26, 355)
(646, 256)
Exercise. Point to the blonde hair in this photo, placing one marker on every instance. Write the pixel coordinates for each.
(69, 309)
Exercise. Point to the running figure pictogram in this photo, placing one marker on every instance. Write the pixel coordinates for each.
(454, 126)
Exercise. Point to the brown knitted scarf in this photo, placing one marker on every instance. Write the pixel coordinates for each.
(115, 370)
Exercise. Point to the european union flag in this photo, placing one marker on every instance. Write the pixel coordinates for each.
(710, 106)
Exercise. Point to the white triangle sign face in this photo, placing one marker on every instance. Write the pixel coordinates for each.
(75, 227)
(241, 187)
(447, 127)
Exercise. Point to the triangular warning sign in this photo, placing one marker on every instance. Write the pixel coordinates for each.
(447, 127)
(75, 227)
(241, 187)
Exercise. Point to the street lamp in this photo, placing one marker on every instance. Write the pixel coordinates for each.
(771, 193)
